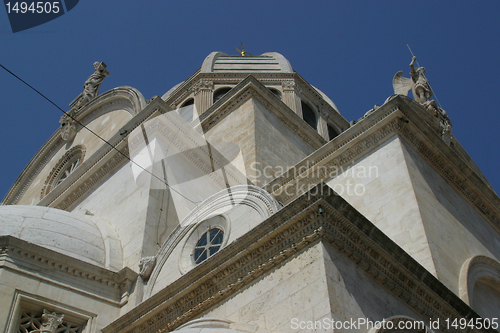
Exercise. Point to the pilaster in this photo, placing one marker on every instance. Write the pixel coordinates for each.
(291, 96)
(323, 123)
(203, 95)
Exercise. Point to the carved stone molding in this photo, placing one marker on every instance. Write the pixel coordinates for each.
(472, 270)
(19, 255)
(202, 84)
(247, 195)
(318, 216)
(114, 162)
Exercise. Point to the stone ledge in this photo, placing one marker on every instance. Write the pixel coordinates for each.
(21, 256)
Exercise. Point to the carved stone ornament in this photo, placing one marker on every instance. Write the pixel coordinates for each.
(203, 85)
(46, 322)
(289, 85)
(50, 322)
(68, 127)
(146, 266)
(323, 112)
(91, 86)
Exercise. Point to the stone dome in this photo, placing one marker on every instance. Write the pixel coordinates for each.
(54, 229)
(219, 62)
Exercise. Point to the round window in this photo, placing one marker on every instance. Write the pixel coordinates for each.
(208, 244)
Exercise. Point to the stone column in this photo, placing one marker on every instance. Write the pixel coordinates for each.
(323, 123)
(291, 96)
(203, 95)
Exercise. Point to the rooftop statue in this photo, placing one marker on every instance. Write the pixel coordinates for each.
(417, 83)
(91, 86)
(422, 93)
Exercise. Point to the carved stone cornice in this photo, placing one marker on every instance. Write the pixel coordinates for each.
(252, 88)
(64, 271)
(318, 216)
(396, 117)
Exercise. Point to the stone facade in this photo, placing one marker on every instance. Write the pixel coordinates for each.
(242, 201)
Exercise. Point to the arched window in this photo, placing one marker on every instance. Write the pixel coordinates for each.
(479, 285)
(332, 132)
(208, 244)
(190, 101)
(64, 167)
(309, 116)
(276, 92)
(219, 93)
(186, 110)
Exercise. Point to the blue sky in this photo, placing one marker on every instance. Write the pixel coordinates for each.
(348, 49)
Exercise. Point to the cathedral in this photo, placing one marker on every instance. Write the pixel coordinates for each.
(241, 200)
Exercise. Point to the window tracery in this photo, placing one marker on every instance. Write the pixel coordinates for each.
(219, 93)
(46, 321)
(64, 167)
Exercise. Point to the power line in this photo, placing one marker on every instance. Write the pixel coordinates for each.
(97, 135)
